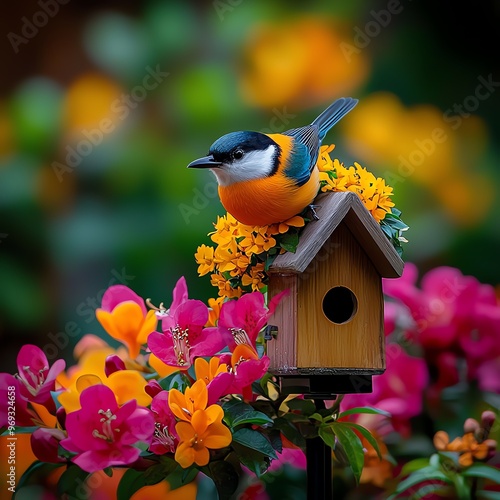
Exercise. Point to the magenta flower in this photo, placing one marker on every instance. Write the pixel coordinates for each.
(165, 438)
(102, 434)
(453, 313)
(398, 391)
(45, 444)
(12, 401)
(38, 380)
(184, 336)
(241, 320)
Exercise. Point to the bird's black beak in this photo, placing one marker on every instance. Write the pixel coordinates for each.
(205, 162)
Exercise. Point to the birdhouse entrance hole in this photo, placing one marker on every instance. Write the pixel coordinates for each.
(340, 304)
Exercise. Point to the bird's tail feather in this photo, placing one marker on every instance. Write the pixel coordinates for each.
(334, 113)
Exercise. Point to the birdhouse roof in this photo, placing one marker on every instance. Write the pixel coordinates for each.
(335, 208)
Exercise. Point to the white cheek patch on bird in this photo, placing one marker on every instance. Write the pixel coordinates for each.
(254, 165)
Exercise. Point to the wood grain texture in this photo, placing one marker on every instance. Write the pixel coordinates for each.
(283, 349)
(335, 208)
(357, 343)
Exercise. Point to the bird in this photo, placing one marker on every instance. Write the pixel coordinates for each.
(265, 179)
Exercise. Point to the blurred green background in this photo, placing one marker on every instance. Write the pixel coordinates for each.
(103, 104)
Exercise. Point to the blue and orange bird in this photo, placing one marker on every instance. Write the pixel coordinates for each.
(269, 178)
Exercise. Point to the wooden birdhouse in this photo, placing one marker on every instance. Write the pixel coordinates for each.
(332, 320)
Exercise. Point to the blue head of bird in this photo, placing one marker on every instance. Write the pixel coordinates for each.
(241, 157)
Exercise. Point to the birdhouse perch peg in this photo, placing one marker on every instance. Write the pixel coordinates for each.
(332, 320)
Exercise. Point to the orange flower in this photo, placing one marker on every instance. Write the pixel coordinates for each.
(124, 316)
(214, 311)
(467, 446)
(205, 259)
(185, 405)
(224, 286)
(205, 430)
(376, 471)
(255, 278)
(207, 371)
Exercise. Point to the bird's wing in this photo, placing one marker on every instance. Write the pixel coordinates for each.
(305, 152)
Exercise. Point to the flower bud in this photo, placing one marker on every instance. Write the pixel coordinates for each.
(471, 425)
(487, 421)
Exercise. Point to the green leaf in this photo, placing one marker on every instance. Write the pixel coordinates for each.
(290, 431)
(305, 406)
(316, 416)
(238, 413)
(71, 483)
(425, 490)
(254, 440)
(365, 433)
(462, 487)
(181, 477)
(36, 469)
(364, 409)
(426, 474)
(352, 446)
(484, 471)
(488, 495)
(224, 476)
(176, 380)
(158, 472)
(414, 465)
(131, 482)
(289, 242)
(326, 434)
(254, 460)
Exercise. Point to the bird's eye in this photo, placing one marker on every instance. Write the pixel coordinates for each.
(238, 154)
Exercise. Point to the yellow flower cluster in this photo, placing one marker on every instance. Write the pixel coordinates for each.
(238, 261)
(373, 191)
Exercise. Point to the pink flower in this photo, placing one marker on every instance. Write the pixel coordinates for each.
(45, 444)
(102, 434)
(241, 320)
(11, 399)
(165, 438)
(398, 391)
(38, 380)
(451, 312)
(184, 336)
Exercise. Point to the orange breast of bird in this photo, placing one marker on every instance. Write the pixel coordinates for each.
(261, 202)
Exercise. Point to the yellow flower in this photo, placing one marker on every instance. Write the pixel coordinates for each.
(207, 371)
(224, 286)
(256, 240)
(128, 324)
(226, 228)
(372, 191)
(204, 431)
(184, 406)
(205, 259)
(126, 384)
(214, 311)
(283, 227)
(255, 278)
